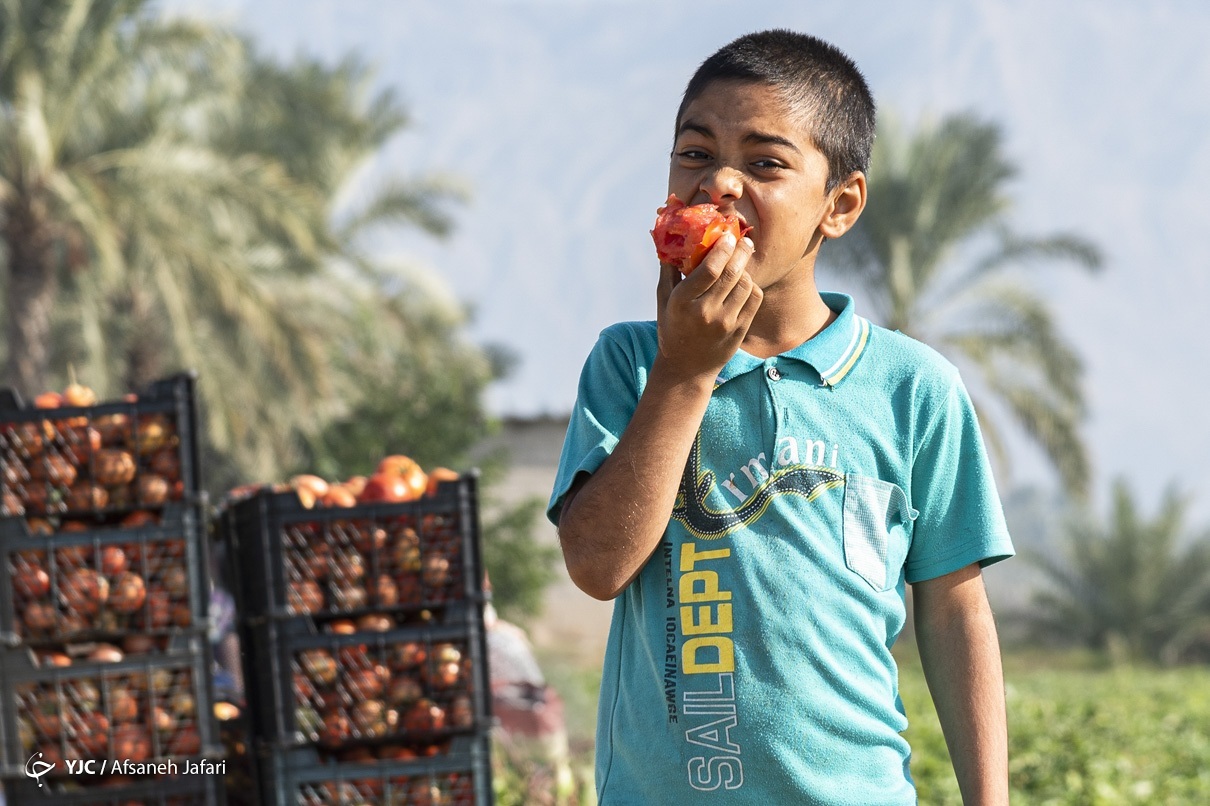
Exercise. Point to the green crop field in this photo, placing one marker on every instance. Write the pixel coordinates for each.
(1081, 733)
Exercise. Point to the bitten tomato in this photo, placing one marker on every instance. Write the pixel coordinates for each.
(683, 235)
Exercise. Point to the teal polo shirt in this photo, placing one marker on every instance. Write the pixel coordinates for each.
(750, 661)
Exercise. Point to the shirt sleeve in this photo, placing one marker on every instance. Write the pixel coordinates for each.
(610, 384)
(961, 520)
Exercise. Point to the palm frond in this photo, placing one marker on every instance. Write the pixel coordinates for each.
(940, 192)
(1017, 329)
(83, 204)
(1055, 429)
(416, 203)
(198, 180)
(1015, 251)
(1128, 581)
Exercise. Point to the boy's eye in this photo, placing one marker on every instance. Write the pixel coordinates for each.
(693, 154)
(768, 165)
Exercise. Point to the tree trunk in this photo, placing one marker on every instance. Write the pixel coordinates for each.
(32, 288)
(144, 350)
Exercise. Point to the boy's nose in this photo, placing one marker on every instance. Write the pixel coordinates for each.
(723, 184)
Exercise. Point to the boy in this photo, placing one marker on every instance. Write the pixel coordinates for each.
(754, 476)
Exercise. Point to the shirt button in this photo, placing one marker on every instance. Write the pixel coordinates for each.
(774, 374)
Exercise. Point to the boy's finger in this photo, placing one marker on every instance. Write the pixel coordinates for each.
(701, 279)
(670, 277)
(740, 293)
(733, 272)
(751, 306)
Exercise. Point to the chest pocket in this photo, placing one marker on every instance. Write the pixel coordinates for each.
(877, 529)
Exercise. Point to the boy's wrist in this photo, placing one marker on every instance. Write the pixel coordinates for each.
(690, 381)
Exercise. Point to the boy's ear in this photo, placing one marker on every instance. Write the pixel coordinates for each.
(847, 202)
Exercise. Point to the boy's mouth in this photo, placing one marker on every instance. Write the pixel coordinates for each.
(744, 226)
(743, 222)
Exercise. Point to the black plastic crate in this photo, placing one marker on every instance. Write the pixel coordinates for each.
(146, 708)
(97, 464)
(240, 773)
(341, 562)
(204, 789)
(408, 691)
(121, 585)
(462, 778)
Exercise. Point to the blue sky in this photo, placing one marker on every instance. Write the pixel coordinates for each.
(558, 116)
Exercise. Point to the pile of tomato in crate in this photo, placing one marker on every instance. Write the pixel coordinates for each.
(106, 691)
(364, 653)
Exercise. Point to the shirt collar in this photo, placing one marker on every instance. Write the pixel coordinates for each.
(832, 352)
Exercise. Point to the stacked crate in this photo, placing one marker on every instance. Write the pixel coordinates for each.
(105, 669)
(365, 658)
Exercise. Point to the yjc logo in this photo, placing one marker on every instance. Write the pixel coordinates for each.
(36, 769)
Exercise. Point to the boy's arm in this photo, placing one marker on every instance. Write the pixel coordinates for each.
(961, 657)
(612, 520)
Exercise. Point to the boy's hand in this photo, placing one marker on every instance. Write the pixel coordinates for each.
(703, 317)
(613, 520)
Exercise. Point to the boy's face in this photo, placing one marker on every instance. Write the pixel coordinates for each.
(740, 146)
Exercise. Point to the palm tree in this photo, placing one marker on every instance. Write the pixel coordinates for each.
(935, 251)
(1135, 587)
(322, 124)
(104, 179)
(177, 208)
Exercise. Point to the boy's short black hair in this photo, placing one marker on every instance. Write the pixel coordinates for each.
(815, 77)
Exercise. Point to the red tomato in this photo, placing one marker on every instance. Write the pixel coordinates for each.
(683, 235)
(396, 465)
(48, 400)
(406, 468)
(384, 487)
(77, 394)
(438, 475)
(417, 482)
